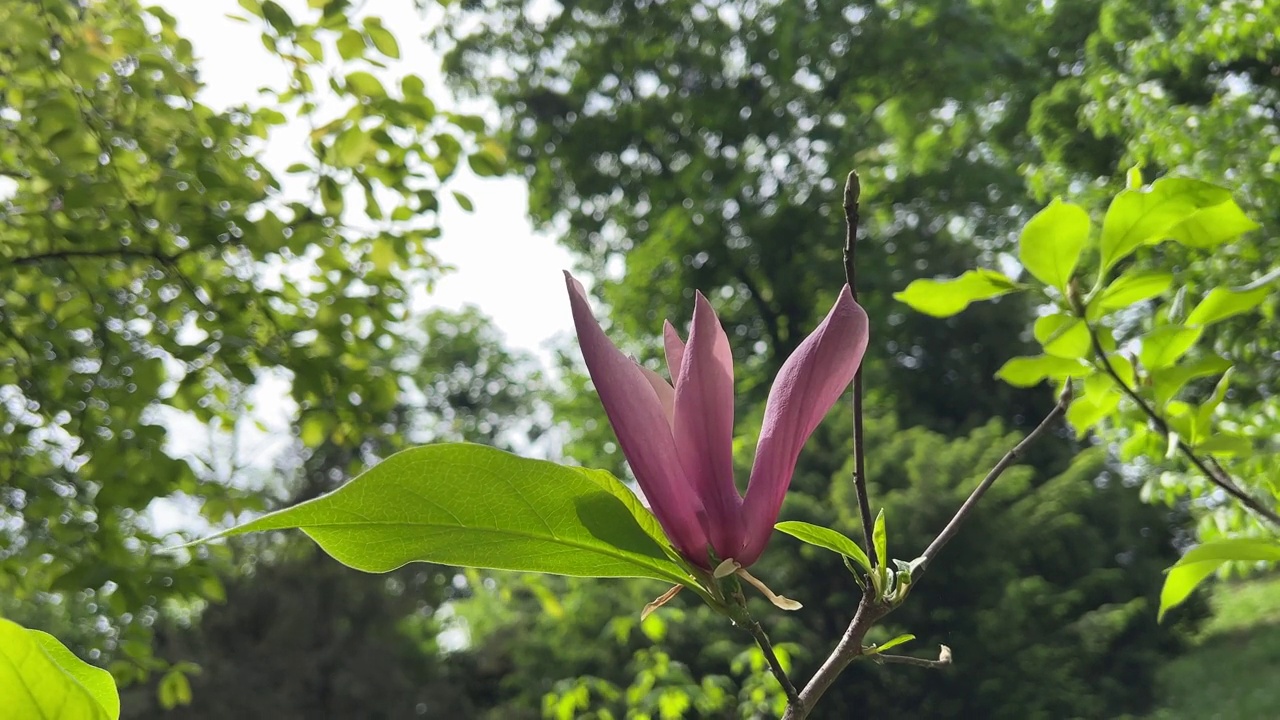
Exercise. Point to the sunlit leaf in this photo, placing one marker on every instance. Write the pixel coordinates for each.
(1165, 345)
(1137, 217)
(1030, 371)
(1200, 562)
(1222, 303)
(1051, 243)
(943, 298)
(892, 643)
(1128, 289)
(41, 678)
(826, 538)
(1063, 336)
(1212, 226)
(475, 506)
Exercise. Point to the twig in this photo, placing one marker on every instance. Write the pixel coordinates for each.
(1219, 478)
(852, 193)
(121, 252)
(762, 639)
(845, 652)
(953, 527)
(944, 659)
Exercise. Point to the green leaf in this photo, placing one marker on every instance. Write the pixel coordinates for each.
(895, 642)
(464, 201)
(382, 38)
(1213, 226)
(277, 17)
(1029, 371)
(1225, 446)
(1128, 289)
(364, 83)
(41, 678)
(1052, 241)
(1139, 217)
(1091, 407)
(1165, 345)
(351, 44)
(1167, 382)
(1222, 303)
(826, 538)
(881, 539)
(1200, 562)
(351, 146)
(944, 298)
(1063, 336)
(475, 506)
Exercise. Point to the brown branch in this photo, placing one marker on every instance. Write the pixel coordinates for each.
(953, 527)
(775, 665)
(1219, 477)
(944, 659)
(846, 651)
(852, 193)
(122, 252)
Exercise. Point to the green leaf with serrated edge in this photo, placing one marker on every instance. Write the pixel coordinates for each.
(1225, 446)
(1165, 345)
(1063, 336)
(1167, 382)
(475, 506)
(1222, 303)
(1029, 371)
(1137, 217)
(881, 539)
(1201, 561)
(825, 538)
(1127, 290)
(1212, 226)
(41, 678)
(893, 643)
(944, 298)
(1051, 242)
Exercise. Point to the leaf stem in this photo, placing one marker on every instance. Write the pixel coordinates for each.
(1212, 471)
(852, 194)
(944, 659)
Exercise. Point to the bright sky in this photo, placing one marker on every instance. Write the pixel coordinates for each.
(511, 273)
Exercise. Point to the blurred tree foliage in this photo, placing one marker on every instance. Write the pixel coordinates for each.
(151, 267)
(701, 145)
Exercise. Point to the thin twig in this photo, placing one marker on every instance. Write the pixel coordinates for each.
(762, 639)
(944, 659)
(1219, 478)
(852, 193)
(120, 252)
(845, 652)
(953, 527)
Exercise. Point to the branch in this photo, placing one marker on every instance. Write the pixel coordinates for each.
(953, 527)
(845, 652)
(124, 253)
(753, 627)
(852, 193)
(944, 659)
(1219, 477)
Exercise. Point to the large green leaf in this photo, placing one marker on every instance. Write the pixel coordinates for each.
(1166, 344)
(1138, 217)
(1200, 562)
(1222, 303)
(1212, 226)
(41, 679)
(1063, 336)
(1029, 371)
(1052, 241)
(826, 538)
(944, 298)
(1128, 289)
(475, 506)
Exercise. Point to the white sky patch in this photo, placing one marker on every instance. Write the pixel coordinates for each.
(501, 265)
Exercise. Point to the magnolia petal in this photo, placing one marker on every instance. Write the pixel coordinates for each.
(666, 393)
(809, 383)
(704, 427)
(675, 350)
(643, 430)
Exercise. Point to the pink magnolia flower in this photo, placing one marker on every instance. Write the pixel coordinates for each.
(679, 440)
